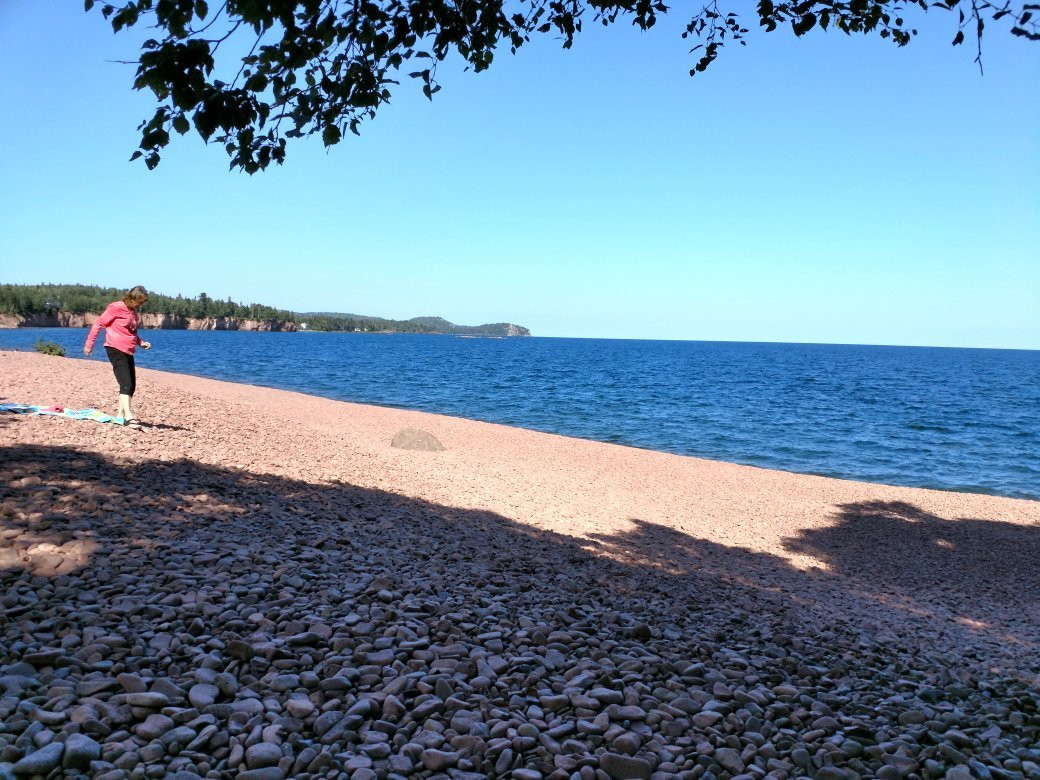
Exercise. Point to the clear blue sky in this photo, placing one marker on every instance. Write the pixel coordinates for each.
(827, 189)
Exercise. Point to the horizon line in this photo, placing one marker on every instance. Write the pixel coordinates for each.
(596, 338)
(766, 341)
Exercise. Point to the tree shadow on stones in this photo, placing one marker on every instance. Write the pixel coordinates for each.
(172, 570)
(977, 574)
(920, 580)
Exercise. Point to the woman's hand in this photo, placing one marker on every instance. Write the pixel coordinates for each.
(87, 351)
(146, 345)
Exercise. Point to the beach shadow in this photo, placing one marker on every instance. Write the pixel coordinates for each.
(156, 426)
(132, 559)
(6, 418)
(971, 578)
(977, 572)
(913, 551)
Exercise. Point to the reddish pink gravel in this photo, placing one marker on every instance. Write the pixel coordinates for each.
(961, 567)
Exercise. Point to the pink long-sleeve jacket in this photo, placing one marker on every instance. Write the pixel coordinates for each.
(120, 323)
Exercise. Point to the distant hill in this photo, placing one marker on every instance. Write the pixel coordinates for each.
(322, 321)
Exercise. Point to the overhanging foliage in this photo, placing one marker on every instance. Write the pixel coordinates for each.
(324, 66)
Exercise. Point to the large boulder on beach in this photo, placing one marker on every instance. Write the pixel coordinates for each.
(415, 439)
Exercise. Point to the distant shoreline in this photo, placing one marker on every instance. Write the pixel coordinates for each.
(158, 321)
(257, 330)
(149, 321)
(79, 305)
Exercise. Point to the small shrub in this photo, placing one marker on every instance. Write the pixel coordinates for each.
(50, 348)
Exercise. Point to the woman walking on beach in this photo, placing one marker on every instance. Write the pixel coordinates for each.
(120, 321)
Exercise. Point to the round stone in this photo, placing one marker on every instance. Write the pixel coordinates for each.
(203, 695)
(40, 762)
(263, 754)
(621, 767)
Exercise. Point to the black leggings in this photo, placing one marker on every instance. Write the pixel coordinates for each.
(123, 367)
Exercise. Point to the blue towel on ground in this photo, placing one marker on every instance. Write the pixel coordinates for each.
(76, 414)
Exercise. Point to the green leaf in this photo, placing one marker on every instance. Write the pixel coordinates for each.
(201, 8)
(257, 83)
(180, 124)
(88, 4)
(331, 135)
(805, 24)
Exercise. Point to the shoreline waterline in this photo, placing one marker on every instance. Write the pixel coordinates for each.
(941, 419)
(624, 445)
(379, 419)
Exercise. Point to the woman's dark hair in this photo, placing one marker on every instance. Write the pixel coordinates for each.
(135, 297)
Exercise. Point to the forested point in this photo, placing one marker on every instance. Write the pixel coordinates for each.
(28, 300)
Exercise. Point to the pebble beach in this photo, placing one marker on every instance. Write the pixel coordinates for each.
(257, 585)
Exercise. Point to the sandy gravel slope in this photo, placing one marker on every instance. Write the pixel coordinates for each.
(591, 610)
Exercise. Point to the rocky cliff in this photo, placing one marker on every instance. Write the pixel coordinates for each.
(149, 321)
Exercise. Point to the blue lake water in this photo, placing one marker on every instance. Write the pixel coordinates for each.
(955, 419)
